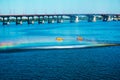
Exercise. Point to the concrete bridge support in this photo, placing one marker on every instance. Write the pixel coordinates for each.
(50, 19)
(18, 20)
(6, 20)
(118, 17)
(115, 18)
(107, 17)
(41, 20)
(38, 19)
(74, 19)
(91, 18)
(59, 19)
(30, 19)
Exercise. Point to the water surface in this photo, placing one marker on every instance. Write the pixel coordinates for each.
(95, 63)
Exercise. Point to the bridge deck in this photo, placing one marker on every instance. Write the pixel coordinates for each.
(20, 15)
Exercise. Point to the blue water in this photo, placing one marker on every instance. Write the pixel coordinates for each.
(63, 64)
(95, 63)
(22, 36)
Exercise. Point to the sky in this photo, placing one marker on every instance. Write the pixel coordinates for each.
(59, 6)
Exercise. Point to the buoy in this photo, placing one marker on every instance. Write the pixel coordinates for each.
(79, 38)
(59, 39)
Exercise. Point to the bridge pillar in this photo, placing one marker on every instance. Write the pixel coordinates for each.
(59, 19)
(91, 18)
(6, 20)
(18, 20)
(41, 20)
(74, 19)
(77, 19)
(71, 19)
(115, 18)
(30, 19)
(38, 19)
(118, 17)
(53, 19)
(50, 19)
(107, 17)
(104, 17)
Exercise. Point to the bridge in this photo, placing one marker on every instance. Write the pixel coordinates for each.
(59, 18)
